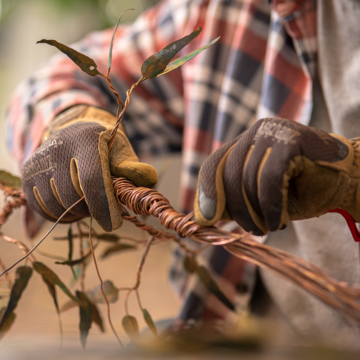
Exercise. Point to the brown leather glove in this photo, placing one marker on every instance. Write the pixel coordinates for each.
(278, 171)
(74, 161)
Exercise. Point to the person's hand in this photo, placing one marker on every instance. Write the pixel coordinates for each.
(74, 161)
(278, 171)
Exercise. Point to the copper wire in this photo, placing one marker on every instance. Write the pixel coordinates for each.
(18, 200)
(338, 295)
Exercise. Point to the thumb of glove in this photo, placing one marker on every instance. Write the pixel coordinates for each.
(123, 161)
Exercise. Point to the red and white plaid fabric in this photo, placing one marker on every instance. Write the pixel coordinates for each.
(262, 66)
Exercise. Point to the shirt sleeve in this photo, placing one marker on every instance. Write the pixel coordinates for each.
(154, 119)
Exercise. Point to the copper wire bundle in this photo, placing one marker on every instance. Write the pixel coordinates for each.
(146, 201)
(338, 295)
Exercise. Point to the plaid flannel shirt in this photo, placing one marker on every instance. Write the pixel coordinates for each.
(262, 66)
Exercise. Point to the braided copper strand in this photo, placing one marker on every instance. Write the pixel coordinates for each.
(146, 201)
(116, 94)
(120, 117)
(18, 199)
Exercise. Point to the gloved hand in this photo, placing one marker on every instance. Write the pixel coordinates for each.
(74, 161)
(278, 171)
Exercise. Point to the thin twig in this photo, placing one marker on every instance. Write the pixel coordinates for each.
(138, 277)
(44, 237)
(102, 284)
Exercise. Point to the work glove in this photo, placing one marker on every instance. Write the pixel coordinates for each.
(278, 171)
(74, 161)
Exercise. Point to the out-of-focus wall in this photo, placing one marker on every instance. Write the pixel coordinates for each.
(21, 25)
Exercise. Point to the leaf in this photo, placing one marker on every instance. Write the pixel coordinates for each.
(184, 59)
(52, 291)
(7, 323)
(96, 297)
(149, 321)
(156, 64)
(109, 289)
(10, 180)
(96, 318)
(51, 277)
(85, 308)
(70, 254)
(190, 264)
(23, 274)
(211, 285)
(131, 327)
(85, 63)
(116, 248)
(103, 237)
(112, 39)
(74, 262)
(108, 237)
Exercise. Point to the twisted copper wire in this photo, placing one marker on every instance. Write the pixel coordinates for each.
(338, 295)
(18, 199)
(120, 117)
(146, 201)
(116, 94)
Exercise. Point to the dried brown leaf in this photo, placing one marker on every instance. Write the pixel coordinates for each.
(117, 248)
(85, 308)
(23, 274)
(156, 64)
(10, 180)
(51, 277)
(84, 62)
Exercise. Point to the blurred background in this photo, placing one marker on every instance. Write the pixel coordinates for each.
(22, 23)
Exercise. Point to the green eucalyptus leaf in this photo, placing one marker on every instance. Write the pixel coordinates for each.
(131, 327)
(157, 63)
(184, 59)
(84, 62)
(149, 321)
(10, 180)
(70, 254)
(96, 318)
(74, 262)
(116, 248)
(6, 324)
(85, 308)
(23, 274)
(211, 285)
(52, 278)
(103, 237)
(112, 39)
(108, 237)
(52, 291)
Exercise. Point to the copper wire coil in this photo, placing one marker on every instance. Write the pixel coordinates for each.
(338, 295)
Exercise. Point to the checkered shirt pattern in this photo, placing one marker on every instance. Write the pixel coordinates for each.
(262, 66)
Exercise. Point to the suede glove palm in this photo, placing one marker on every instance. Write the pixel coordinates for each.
(279, 171)
(74, 161)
